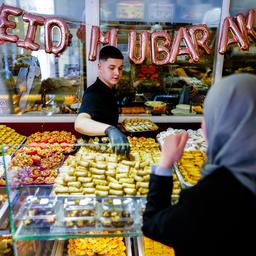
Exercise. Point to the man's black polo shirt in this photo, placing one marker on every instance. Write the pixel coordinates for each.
(100, 103)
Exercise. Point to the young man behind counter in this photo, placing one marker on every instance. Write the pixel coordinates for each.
(98, 114)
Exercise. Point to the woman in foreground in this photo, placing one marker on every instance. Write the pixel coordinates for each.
(218, 215)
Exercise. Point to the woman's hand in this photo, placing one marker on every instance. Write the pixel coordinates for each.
(172, 149)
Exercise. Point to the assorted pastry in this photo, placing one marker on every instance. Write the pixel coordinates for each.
(139, 125)
(103, 174)
(35, 164)
(133, 110)
(91, 172)
(61, 141)
(154, 248)
(108, 246)
(96, 144)
(10, 139)
(139, 144)
(190, 164)
(196, 140)
(37, 161)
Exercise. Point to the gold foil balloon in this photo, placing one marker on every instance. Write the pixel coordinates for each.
(65, 37)
(5, 23)
(189, 48)
(160, 41)
(98, 37)
(238, 34)
(250, 23)
(80, 33)
(34, 21)
(94, 40)
(143, 47)
(205, 35)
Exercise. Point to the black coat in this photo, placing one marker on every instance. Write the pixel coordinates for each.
(215, 217)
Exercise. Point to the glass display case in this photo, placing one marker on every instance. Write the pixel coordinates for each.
(75, 192)
(61, 187)
(66, 191)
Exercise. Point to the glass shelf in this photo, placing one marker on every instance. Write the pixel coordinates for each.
(38, 215)
(46, 217)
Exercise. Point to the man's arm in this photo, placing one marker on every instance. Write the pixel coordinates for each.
(84, 124)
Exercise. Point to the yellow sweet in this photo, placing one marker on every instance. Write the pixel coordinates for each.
(152, 247)
(190, 165)
(105, 246)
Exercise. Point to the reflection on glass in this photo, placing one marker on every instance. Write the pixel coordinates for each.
(236, 60)
(35, 82)
(178, 83)
(36, 6)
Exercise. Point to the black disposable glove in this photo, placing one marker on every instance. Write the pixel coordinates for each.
(120, 143)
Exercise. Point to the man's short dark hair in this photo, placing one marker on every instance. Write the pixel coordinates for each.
(110, 51)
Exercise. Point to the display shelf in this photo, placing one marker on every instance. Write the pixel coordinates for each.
(60, 247)
(37, 215)
(38, 119)
(71, 118)
(21, 234)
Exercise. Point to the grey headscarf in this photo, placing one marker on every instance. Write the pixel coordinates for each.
(230, 119)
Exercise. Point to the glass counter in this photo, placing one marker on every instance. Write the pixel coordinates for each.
(61, 190)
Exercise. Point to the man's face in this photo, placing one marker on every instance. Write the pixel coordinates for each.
(110, 71)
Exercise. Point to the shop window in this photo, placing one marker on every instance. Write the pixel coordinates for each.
(172, 83)
(237, 60)
(36, 82)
